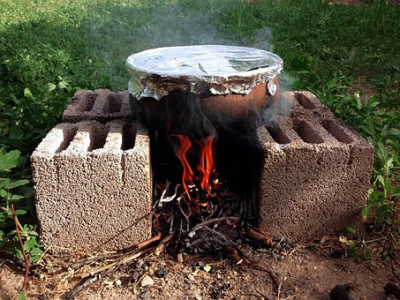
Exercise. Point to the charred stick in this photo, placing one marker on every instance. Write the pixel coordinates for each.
(183, 213)
(216, 220)
(85, 283)
(235, 254)
(222, 236)
(259, 236)
(27, 261)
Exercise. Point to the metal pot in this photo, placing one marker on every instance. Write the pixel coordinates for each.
(223, 83)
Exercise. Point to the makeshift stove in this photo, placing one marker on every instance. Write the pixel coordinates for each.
(198, 125)
(202, 105)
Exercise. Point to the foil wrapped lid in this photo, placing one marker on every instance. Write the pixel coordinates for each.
(213, 69)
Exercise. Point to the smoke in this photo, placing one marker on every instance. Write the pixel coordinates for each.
(176, 25)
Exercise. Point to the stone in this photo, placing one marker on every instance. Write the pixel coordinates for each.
(146, 281)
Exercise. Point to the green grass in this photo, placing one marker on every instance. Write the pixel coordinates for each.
(49, 49)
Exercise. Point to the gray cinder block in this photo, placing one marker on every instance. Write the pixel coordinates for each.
(316, 172)
(100, 105)
(93, 186)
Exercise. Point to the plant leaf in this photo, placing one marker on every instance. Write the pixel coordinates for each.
(17, 183)
(8, 160)
(49, 87)
(28, 93)
(20, 212)
(3, 193)
(22, 296)
(350, 229)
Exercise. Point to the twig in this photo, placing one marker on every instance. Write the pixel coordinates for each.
(127, 251)
(183, 213)
(151, 240)
(280, 288)
(122, 261)
(170, 198)
(227, 240)
(375, 240)
(27, 261)
(161, 246)
(261, 237)
(85, 283)
(92, 260)
(216, 220)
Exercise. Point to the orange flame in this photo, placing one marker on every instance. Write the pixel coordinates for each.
(187, 177)
(206, 166)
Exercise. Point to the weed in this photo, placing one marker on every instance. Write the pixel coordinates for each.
(8, 237)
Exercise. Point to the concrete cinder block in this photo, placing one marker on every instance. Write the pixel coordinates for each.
(100, 105)
(316, 172)
(93, 185)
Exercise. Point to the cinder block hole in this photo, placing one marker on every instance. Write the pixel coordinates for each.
(68, 136)
(304, 101)
(128, 137)
(98, 136)
(112, 105)
(336, 131)
(307, 133)
(277, 134)
(87, 102)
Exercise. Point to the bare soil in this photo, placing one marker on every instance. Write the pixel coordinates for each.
(304, 273)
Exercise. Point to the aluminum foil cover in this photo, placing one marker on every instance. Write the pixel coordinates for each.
(214, 69)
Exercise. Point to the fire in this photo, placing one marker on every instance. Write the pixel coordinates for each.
(187, 176)
(205, 167)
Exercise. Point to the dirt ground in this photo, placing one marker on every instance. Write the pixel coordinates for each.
(303, 273)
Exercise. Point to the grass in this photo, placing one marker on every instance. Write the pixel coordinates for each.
(49, 49)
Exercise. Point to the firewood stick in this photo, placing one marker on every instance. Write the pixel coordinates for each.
(87, 282)
(145, 243)
(138, 246)
(216, 220)
(161, 246)
(227, 240)
(261, 237)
